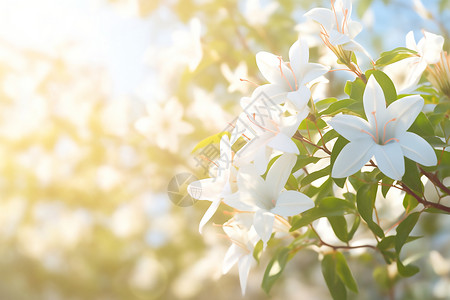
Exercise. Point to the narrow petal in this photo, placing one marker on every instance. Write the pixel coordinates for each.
(291, 203)
(269, 65)
(373, 100)
(432, 47)
(405, 111)
(337, 38)
(262, 158)
(208, 214)
(300, 97)
(351, 127)
(263, 224)
(389, 159)
(245, 263)
(411, 41)
(231, 257)
(279, 172)
(283, 143)
(416, 67)
(323, 16)
(310, 72)
(234, 201)
(298, 54)
(352, 158)
(206, 189)
(273, 92)
(417, 149)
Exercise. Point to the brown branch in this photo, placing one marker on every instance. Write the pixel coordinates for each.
(334, 247)
(423, 201)
(435, 180)
(300, 137)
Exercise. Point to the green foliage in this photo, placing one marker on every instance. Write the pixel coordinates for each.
(275, 269)
(337, 275)
(397, 54)
(365, 201)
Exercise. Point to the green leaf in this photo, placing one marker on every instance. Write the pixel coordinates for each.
(389, 57)
(386, 84)
(325, 207)
(344, 272)
(332, 279)
(213, 139)
(409, 203)
(257, 251)
(315, 175)
(386, 185)
(365, 201)
(404, 229)
(408, 270)
(303, 161)
(324, 104)
(337, 107)
(422, 126)
(355, 89)
(412, 176)
(339, 225)
(328, 136)
(355, 226)
(292, 183)
(340, 143)
(275, 269)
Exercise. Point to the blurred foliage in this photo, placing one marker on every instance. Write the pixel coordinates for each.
(83, 210)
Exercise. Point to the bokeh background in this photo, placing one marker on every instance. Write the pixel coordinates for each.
(101, 104)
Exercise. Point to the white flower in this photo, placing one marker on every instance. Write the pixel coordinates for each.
(288, 80)
(214, 189)
(337, 27)
(269, 134)
(257, 15)
(164, 125)
(234, 78)
(267, 198)
(428, 51)
(244, 237)
(384, 136)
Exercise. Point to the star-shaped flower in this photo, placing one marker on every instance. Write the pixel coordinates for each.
(338, 30)
(267, 198)
(214, 189)
(428, 50)
(384, 136)
(288, 79)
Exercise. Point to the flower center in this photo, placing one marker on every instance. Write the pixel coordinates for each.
(376, 137)
(284, 76)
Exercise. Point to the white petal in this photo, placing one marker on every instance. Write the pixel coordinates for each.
(432, 47)
(291, 203)
(262, 158)
(231, 257)
(208, 214)
(298, 54)
(417, 149)
(279, 173)
(274, 93)
(245, 263)
(374, 100)
(300, 97)
(310, 72)
(354, 28)
(269, 66)
(405, 111)
(352, 158)
(337, 38)
(283, 143)
(263, 224)
(351, 127)
(416, 67)
(206, 189)
(234, 201)
(322, 15)
(389, 159)
(410, 41)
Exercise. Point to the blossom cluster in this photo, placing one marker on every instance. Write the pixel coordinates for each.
(280, 144)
